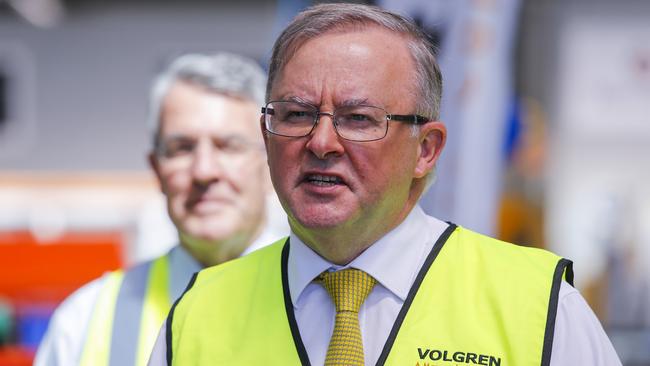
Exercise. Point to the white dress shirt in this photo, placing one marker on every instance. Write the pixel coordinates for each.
(394, 262)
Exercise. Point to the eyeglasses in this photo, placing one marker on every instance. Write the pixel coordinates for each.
(354, 123)
(181, 150)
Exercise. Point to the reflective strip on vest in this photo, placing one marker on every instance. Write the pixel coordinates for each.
(155, 308)
(96, 350)
(128, 315)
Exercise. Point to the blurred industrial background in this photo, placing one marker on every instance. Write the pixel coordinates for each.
(547, 104)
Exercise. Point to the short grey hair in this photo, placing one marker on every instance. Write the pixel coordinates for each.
(224, 73)
(320, 19)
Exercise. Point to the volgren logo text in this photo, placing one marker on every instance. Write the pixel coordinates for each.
(471, 358)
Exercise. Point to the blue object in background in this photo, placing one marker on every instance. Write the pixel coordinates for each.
(513, 130)
(32, 323)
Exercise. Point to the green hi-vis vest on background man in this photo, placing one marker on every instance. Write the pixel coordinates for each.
(127, 316)
(476, 301)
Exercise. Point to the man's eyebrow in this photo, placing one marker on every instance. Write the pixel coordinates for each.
(346, 103)
(354, 102)
(293, 98)
(177, 137)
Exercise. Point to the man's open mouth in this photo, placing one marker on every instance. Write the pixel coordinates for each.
(323, 180)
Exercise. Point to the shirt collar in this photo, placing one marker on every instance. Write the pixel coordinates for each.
(303, 266)
(183, 259)
(181, 268)
(404, 248)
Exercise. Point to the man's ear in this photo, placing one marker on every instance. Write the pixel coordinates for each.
(268, 185)
(431, 140)
(263, 129)
(155, 166)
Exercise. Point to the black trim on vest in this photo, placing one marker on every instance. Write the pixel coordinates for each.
(288, 305)
(562, 264)
(170, 319)
(413, 291)
(569, 273)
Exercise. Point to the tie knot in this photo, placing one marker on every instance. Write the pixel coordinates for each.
(348, 288)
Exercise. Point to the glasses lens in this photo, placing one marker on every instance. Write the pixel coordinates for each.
(290, 118)
(361, 123)
(176, 147)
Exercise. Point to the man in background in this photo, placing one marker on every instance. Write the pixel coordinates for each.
(209, 159)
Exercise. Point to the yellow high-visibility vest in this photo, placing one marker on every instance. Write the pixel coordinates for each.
(127, 316)
(475, 301)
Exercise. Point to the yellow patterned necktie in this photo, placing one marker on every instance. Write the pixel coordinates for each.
(348, 289)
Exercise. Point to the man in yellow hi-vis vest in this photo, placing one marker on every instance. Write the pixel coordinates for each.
(210, 162)
(366, 277)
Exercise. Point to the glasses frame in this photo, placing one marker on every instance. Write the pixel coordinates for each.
(414, 119)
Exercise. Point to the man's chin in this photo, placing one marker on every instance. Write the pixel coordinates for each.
(210, 228)
(208, 238)
(209, 208)
(320, 220)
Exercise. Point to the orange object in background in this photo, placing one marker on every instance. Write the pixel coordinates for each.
(33, 271)
(15, 356)
(35, 277)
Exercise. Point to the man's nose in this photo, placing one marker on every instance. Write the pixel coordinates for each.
(206, 165)
(324, 140)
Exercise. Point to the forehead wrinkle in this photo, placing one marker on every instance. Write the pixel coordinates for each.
(323, 89)
(300, 89)
(198, 135)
